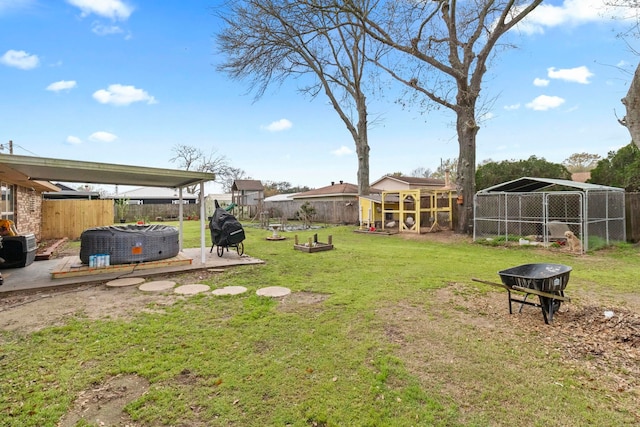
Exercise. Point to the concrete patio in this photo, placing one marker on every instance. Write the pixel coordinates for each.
(38, 275)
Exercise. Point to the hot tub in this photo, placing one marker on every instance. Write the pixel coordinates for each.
(126, 244)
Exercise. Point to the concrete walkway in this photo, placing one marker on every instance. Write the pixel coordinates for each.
(37, 275)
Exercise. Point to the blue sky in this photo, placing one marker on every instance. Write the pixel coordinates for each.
(123, 81)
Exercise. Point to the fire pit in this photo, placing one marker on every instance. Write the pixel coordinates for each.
(547, 281)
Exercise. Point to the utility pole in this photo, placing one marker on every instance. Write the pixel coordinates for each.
(2, 147)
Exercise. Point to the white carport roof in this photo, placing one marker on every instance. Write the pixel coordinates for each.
(48, 169)
(36, 171)
(527, 184)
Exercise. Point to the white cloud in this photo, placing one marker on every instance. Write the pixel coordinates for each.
(512, 107)
(74, 140)
(62, 85)
(113, 9)
(118, 94)
(342, 151)
(102, 137)
(20, 59)
(545, 102)
(540, 82)
(277, 126)
(576, 75)
(105, 30)
(570, 12)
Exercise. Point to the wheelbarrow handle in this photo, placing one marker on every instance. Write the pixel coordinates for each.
(501, 285)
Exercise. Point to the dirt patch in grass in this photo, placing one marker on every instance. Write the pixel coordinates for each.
(102, 404)
(296, 300)
(432, 340)
(30, 312)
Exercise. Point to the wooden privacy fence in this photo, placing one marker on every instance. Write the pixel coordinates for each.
(69, 218)
(632, 215)
(329, 212)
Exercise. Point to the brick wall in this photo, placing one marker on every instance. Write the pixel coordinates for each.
(28, 215)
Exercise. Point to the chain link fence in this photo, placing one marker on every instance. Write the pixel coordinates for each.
(595, 217)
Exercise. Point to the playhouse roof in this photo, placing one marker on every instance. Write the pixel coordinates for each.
(247, 185)
(528, 184)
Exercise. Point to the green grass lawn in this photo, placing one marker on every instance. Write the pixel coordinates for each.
(252, 363)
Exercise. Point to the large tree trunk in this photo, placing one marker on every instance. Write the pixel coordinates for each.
(632, 102)
(466, 174)
(362, 148)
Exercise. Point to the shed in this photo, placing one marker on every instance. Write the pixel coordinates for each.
(540, 209)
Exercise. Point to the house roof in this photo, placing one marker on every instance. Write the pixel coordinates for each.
(528, 184)
(280, 197)
(341, 189)
(66, 192)
(154, 193)
(31, 171)
(411, 180)
(247, 185)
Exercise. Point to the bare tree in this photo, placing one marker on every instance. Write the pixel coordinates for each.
(632, 103)
(581, 162)
(192, 158)
(421, 172)
(441, 50)
(268, 41)
(632, 99)
(231, 176)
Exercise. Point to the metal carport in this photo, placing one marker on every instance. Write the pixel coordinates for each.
(31, 171)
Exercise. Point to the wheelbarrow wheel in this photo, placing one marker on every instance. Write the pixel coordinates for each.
(240, 248)
(220, 250)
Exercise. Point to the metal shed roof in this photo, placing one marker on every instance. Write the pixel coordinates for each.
(48, 169)
(528, 184)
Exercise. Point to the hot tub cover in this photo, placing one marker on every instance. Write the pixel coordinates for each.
(130, 243)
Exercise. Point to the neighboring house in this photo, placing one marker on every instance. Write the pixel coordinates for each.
(67, 192)
(334, 204)
(156, 196)
(341, 191)
(581, 176)
(287, 197)
(248, 196)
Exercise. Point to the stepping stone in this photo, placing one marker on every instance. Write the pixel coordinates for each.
(230, 290)
(273, 291)
(157, 286)
(191, 289)
(127, 281)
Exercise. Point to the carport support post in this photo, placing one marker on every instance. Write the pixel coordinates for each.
(180, 222)
(203, 255)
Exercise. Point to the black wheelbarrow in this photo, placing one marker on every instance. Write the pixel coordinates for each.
(547, 281)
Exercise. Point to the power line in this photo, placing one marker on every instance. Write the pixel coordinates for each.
(10, 146)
